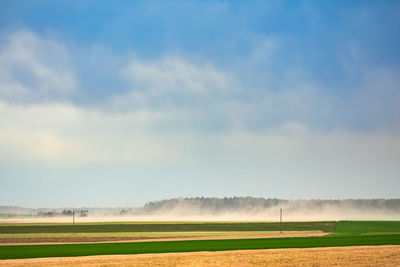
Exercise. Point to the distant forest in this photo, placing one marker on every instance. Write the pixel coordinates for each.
(212, 205)
(245, 203)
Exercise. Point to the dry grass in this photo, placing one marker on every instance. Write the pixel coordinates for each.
(340, 256)
(152, 237)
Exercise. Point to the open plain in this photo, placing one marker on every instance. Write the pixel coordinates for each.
(334, 256)
(327, 243)
(147, 236)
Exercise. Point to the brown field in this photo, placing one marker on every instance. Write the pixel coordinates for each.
(338, 256)
(103, 239)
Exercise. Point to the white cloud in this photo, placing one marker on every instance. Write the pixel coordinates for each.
(174, 74)
(172, 80)
(34, 69)
(63, 133)
(265, 130)
(70, 134)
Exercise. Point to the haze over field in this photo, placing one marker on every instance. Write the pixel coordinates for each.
(219, 209)
(118, 103)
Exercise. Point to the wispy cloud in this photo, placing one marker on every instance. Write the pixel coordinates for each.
(171, 105)
(34, 69)
(256, 122)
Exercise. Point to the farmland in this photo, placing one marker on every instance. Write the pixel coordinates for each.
(327, 226)
(329, 256)
(347, 234)
(97, 232)
(367, 227)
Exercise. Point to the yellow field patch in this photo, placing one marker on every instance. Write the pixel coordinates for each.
(337, 256)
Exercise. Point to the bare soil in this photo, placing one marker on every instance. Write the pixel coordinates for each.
(102, 239)
(337, 256)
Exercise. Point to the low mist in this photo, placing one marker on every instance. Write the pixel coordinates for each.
(223, 209)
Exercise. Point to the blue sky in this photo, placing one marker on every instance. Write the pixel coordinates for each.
(121, 102)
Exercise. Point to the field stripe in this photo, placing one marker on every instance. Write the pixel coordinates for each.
(168, 227)
(70, 250)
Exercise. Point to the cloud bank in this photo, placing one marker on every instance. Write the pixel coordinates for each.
(178, 111)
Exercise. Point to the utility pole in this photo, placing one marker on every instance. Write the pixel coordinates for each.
(280, 219)
(73, 216)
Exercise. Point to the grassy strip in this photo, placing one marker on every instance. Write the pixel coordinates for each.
(367, 227)
(177, 227)
(150, 234)
(71, 250)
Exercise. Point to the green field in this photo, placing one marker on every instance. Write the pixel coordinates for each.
(166, 227)
(69, 250)
(367, 227)
(348, 233)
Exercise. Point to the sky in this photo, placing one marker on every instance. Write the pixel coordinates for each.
(116, 103)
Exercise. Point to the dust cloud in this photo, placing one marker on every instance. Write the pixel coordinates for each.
(238, 209)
